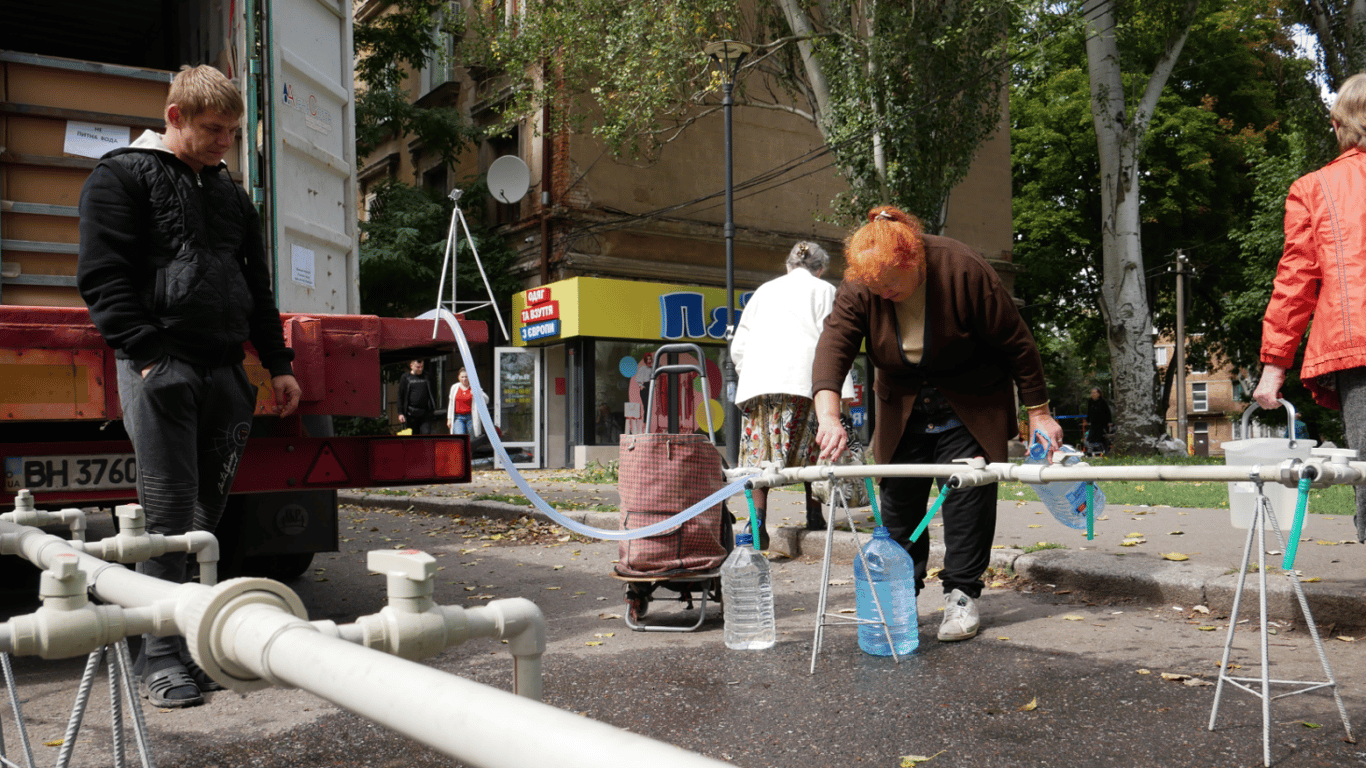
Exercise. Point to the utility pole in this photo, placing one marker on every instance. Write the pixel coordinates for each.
(1181, 346)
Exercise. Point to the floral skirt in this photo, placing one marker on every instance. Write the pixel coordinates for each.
(780, 429)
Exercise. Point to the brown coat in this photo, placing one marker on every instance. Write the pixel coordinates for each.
(976, 345)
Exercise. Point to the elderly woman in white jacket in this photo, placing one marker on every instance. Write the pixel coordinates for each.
(773, 349)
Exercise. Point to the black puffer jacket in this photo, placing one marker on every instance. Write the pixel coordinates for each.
(172, 262)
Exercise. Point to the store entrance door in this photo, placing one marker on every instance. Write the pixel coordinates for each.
(517, 404)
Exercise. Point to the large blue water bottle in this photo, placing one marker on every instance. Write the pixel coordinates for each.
(891, 575)
(1065, 500)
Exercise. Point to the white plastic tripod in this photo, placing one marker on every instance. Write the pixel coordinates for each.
(1257, 530)
(824, 618)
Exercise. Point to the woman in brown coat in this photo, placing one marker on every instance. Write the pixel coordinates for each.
(949, 347)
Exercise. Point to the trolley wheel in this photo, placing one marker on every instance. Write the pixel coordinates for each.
(638, 600)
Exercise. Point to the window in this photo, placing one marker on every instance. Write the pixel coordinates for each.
(621, 392)
(1199, 397)
(1161, 353)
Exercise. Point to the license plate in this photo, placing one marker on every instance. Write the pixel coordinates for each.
(48, 474)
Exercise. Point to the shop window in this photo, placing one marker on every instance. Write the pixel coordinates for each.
(621, 384)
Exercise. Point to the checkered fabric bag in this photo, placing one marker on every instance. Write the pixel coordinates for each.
(661, 475)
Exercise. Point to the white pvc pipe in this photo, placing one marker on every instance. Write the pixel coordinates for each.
(1286, 473)
(474, 723)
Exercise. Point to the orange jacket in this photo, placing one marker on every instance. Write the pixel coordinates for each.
(1322, 276)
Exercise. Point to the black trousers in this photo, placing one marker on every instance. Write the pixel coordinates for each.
(969, 514)
(188, 425)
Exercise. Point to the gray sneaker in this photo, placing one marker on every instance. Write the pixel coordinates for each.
(960, 617)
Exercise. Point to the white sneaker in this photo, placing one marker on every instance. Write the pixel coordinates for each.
(960, 617)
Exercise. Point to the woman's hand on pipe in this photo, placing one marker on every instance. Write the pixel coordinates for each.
(830, 436)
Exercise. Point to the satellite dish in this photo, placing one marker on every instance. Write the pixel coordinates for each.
(509, 179)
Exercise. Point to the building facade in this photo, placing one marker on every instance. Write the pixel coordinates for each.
(613, 237)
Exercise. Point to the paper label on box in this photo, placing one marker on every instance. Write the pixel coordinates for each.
(302, 262)
(93, 139)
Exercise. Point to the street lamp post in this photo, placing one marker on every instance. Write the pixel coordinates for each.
(729, 55)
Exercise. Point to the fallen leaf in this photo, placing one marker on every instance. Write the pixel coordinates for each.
(1036, 526)
(1144, 671)
(1206, 628)
(1031, 706)
(1177, 556)
(1200, 609)
(933, 573)
(998, 546)
(1002, 637)
(1132, 542)
(1324, 543)
(910, 761)
(593, 642)
(1311, 579)
(1175, 676)
(1196, 682)
(1176, 533)
(54, 743)
(1346, 638)
(1133, 536)
(1072, 617)
(1308, 724)
(607, 616)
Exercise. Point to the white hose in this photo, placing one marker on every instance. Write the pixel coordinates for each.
(598, 533)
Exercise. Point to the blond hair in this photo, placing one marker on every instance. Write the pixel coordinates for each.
(196, 90)
(1349, 111)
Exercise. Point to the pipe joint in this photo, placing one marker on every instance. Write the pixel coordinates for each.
(233, 651)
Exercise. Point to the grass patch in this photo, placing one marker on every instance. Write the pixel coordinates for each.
(520, 501)
(1041, 546)
(390, 492)
(599, 473)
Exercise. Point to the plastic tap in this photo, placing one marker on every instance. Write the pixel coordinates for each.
(411, 577)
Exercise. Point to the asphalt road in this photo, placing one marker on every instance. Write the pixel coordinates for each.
(1056, 677)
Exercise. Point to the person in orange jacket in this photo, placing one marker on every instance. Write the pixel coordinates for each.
(1320, 276)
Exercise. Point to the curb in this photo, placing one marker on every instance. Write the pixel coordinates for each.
(1184, 584)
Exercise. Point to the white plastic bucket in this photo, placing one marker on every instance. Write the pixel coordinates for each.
(1267, 451)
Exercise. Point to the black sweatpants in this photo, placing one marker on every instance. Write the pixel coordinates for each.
(189, 425)
(969, 514)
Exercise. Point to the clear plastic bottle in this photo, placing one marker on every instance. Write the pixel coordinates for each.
(891, 575)
(747, 597)
(1065, 500)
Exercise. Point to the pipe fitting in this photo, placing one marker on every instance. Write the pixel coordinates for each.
(67, 624)
(208, 619)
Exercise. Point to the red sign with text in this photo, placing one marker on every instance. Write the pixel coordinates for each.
(537, 296)
(535, 314)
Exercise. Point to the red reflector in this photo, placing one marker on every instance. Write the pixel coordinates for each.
(416, 460)
(452, 461)
(386, 460)
(326, 469)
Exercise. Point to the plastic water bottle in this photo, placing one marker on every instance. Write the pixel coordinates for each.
(747, 594)
(1065, 500)
(891, 575)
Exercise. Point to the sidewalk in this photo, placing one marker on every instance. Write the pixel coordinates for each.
(1129, 556)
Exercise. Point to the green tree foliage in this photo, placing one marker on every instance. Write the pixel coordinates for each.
(902, 93)
(1214, 165)
(389, 49)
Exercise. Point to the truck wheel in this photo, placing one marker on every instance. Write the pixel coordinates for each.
(279, 567)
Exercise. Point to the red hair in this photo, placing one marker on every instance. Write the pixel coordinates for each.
(892, 239)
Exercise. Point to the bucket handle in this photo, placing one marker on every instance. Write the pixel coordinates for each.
(1290, 420)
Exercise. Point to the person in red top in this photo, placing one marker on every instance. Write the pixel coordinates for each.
(1320, 278)
(460, 413)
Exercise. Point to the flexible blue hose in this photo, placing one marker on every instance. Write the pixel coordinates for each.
(1293, 544)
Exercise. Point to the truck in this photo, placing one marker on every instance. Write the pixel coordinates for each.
(81, 77)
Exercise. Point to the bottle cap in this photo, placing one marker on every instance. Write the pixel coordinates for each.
(744, 539)
(881, 532)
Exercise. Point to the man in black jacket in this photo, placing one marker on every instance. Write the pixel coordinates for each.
(174, 270)
(417, 400)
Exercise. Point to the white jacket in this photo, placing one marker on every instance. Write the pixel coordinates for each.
(775, 341)
(476, 426)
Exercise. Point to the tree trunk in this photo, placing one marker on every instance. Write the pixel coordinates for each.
(1123, 296)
